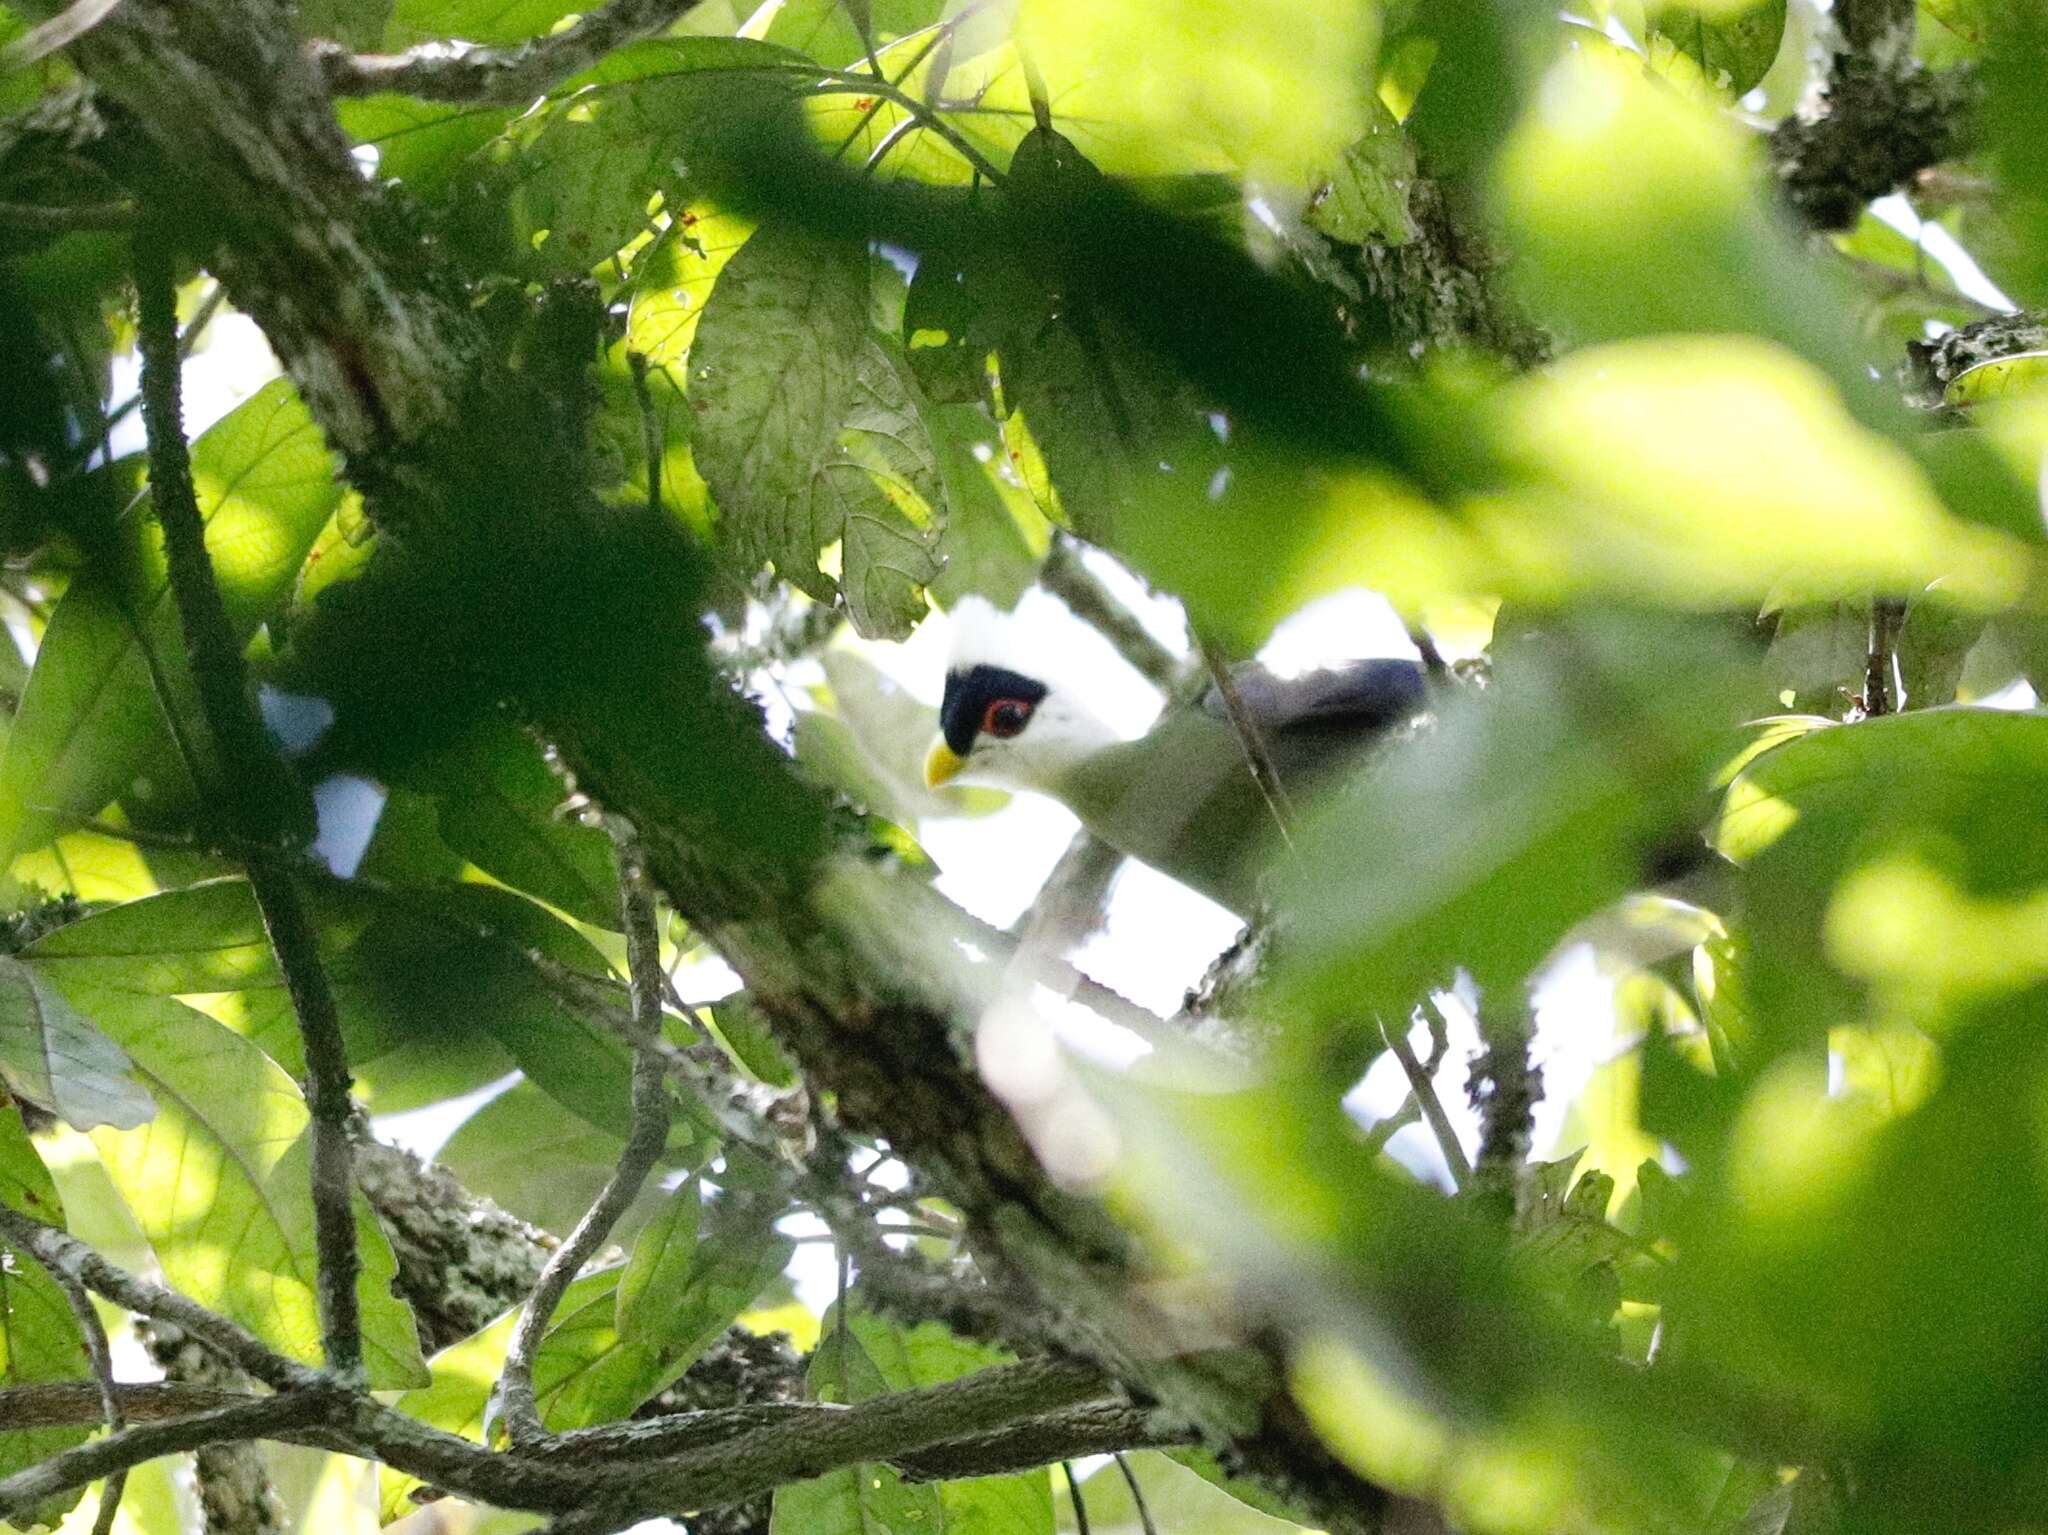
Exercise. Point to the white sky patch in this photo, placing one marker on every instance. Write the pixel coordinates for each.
(1943, 248)
(424, 1131)
(231, 362)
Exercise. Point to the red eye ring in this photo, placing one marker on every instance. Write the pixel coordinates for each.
(1005, 717)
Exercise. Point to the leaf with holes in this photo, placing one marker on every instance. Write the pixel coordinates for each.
(773, 371)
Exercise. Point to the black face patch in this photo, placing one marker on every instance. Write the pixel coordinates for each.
(969, 694)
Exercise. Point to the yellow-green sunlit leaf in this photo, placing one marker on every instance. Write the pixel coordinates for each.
(220, 1181)
(672, 283)
(1271, 87)
(2024, 374)
(1732, 42)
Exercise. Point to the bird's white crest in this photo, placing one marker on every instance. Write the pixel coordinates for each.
(984, 635)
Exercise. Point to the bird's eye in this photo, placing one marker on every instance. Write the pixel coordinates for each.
(1006, 717)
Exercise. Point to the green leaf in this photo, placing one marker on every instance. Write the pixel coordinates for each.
(826, 31)
(501, 808)
(1184, 1490)
(423, 144)
(1733, 44)
(878, 492)
(569, 184)
(773, 372)
(532, 1156)
(995, 537)
(1366, 196)
(358, 23)
(56, 1060)
(671, 284)
(658, 1270)
(39, 1336)
(403, 967)
(220, 1182)
(863, 1355)
(90, 729)
(590, 1370)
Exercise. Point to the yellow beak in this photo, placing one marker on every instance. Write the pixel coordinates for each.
(941, 763)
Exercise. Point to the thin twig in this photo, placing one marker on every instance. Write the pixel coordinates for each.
(1137, 1494)
(643, 1148)
(1256, 757)
(1887, 615)
(650, 429)
(1432, 1106)
(1074, 1495)
(66, 218)
(102, 1359)
(255, 796)
(1066, 575)
(508, 76)
(60, 31)
(52, 1247)
(188, 338)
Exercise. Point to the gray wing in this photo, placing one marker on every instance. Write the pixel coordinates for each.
(1355, 698)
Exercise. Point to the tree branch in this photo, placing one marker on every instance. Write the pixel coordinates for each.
(506, 76)
(257, 794)
(644, 1143)
(1883, 119)
(147, 1441)
(235, 1494)
(59, 1249)
(1097, 1430)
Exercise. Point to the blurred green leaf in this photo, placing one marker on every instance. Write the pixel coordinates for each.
(1529, 807)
